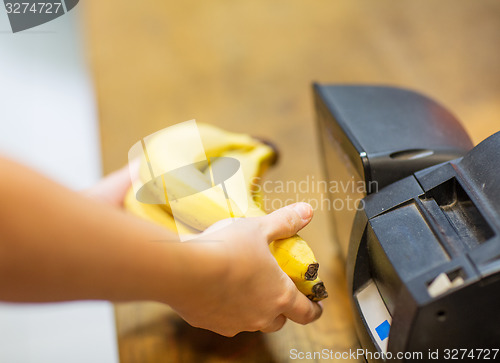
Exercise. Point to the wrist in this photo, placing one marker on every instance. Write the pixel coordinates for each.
(193, 272)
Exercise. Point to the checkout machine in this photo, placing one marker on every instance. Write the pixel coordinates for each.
(422, 246)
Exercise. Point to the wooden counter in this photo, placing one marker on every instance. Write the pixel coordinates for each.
(248, 66)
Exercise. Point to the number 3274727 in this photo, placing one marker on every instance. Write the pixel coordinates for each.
(34, 8)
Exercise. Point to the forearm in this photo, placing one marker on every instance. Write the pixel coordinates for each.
(58, 245)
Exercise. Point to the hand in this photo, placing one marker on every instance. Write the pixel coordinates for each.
(113, 187)
(249, 292)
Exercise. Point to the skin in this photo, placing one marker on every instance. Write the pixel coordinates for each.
(60, 245)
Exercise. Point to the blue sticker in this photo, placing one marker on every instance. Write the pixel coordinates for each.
(383, 330)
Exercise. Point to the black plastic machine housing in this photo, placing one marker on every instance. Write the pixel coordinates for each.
(422, 249)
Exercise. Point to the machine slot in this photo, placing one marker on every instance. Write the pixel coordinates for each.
(461, 213)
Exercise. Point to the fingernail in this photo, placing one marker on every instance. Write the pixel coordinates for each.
(304, 210)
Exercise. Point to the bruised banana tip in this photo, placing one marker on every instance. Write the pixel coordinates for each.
(318, 292)
(312, 271)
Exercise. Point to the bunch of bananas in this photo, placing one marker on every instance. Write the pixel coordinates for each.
(198, 197)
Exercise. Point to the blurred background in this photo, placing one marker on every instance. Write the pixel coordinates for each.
(248, 67)
(49, 122)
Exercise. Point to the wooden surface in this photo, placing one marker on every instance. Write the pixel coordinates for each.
(248, 66)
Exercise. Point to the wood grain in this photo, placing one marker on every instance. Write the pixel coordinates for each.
(248, 66)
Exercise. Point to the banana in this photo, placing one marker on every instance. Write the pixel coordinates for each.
(253, 164)
(187, 188)
(295, 257)
(198, 208)
(177, 137)
(190, 193)
(315, 290)
(216, 141)
(154, 213)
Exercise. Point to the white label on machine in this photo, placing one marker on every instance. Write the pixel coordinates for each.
(375, 313)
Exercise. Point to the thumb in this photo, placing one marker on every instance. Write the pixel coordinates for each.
(287, 221)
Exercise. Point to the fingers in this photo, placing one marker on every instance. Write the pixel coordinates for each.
(303, 310)
(112, 188)
(276, 325)
(133, 168)
(287, 221)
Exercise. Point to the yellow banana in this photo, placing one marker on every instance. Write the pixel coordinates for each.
(295, 257)
(198, 203)
(314, 290)
(198, 208)
(216, 141)
(154, 213)
(253, 164)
